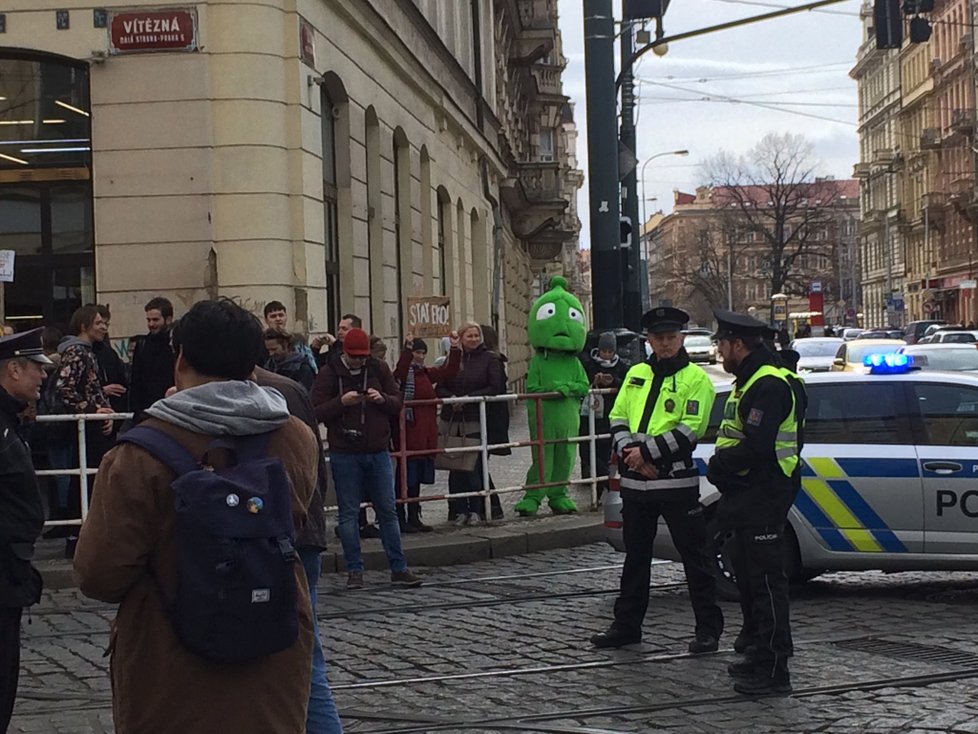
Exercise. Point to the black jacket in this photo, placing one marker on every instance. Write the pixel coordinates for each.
(21, 511)
(313, 534)
(111, 371)
(152, 371)
(763, 496)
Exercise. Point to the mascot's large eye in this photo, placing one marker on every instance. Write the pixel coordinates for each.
(546, 311)
(576, 315)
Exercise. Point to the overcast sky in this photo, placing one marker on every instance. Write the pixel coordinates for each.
(798, 66)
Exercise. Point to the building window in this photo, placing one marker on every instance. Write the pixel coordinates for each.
(330, 211)
(546, 151)
(45, 188)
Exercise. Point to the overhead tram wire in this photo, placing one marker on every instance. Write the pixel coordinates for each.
(779, 71)
(785, 7)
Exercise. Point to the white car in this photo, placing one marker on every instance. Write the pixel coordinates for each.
(700, 348)
(816, 354)
(889, 477)
(946, 357)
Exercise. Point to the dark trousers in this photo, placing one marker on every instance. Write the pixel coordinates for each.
(471, 481)
(9, 662)
(688, 529)
(758, 560)
(602, 452)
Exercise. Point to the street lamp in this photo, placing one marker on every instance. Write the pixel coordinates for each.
(644, 263)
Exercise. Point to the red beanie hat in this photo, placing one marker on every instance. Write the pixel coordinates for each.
(356, 343)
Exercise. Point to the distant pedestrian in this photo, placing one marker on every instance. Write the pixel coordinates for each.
(657, 420)
(417, 382)
(378, 349)
(310, 542)
(277, 317)
(334, 344)
(284, 360)
(153, 358)
(605, 370)
(356, 397)
(481, 373)
(756, 468)
(112, 370)
(22, 363)
(139, 548)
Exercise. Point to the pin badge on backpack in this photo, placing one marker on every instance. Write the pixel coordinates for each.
(255, 505)
(232, 500)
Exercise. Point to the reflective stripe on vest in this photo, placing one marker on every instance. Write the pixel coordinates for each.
(731, 431)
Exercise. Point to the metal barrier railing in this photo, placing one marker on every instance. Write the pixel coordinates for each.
(84, 472)
(485, 447)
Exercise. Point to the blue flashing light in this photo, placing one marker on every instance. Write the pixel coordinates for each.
(888, 364)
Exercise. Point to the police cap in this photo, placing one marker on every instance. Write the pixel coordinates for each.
(664, 318)
(732, 325)
(25, 345)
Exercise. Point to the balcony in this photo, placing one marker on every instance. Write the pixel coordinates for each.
(962, 196)
(930, 138)
(548, 80)
(861, 170)
(963, 121)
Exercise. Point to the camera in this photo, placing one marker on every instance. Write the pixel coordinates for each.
(352, 435)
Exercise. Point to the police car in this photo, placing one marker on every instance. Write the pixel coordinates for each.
(889, 475)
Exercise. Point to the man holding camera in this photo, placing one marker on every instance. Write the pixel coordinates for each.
(355, 397)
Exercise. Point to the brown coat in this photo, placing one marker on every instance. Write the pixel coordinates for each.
(157, 685)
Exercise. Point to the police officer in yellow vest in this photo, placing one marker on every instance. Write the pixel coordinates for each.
(660, 413)
(754, 467)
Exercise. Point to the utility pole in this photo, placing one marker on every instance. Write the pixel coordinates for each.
(632, 306)
(602, 148)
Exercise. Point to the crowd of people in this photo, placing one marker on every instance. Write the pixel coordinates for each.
(223, 448)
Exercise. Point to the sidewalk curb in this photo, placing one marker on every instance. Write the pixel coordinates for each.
(445, 546)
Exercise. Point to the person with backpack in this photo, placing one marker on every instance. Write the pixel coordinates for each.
(356, 397)
(218, 470)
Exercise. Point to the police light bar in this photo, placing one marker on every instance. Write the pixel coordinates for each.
(888, 364)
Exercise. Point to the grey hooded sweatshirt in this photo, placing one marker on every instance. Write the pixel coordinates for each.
(226, 408)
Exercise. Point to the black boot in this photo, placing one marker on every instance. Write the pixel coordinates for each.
(414, 519)
(616, 637)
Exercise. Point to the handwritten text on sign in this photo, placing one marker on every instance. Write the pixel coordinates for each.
(429, 316)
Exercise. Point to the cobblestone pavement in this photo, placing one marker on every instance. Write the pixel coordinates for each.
(502, 646)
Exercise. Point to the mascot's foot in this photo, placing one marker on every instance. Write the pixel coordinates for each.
(527, 507)
(563, 506)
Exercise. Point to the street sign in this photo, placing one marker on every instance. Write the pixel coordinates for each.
(816, 286)
(966, 284)
(171, 29)
(6, 266)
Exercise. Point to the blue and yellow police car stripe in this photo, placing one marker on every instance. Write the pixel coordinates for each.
(839, 513)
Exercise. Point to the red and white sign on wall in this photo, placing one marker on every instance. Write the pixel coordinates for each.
(153, 30)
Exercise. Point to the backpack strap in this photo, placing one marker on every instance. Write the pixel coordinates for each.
(163, 447)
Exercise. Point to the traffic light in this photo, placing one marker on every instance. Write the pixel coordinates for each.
(919, 30)
(888, 22)
(914, 7)
(642, 9)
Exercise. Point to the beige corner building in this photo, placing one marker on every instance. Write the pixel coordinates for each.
(337, 156)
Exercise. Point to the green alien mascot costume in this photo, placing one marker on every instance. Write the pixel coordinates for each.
(557, 333)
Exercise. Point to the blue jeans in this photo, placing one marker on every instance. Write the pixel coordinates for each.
(322, 717)
(372, 474)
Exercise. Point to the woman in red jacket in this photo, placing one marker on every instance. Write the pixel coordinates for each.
(421, 422)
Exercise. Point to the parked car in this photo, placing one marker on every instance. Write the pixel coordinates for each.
(888, 477)
(816, 353)
(915, 329)
(701, 348)
(850, 356)
(947, 357)
(952, 336)
(850, 333)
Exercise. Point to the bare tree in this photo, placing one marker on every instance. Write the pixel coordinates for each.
(700, 275)
(773, 192)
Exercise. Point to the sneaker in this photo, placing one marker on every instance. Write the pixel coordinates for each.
(616, 637)
(763, 685)
(475, 519)
(354, 580)
(703, 643)
(461, 519)
(405, 578)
